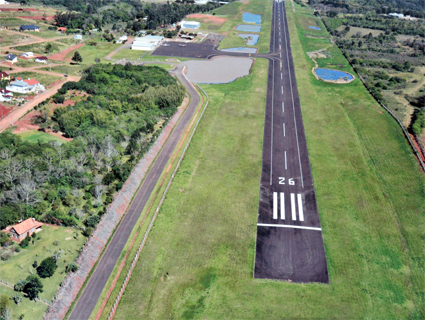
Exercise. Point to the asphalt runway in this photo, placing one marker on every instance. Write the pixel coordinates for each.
(289, 237)
(100, 276)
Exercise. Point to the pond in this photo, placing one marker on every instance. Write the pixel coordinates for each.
(218, 70)
(333, 75)
(251, 18)
(249, 28)
(251, 38)
(240, 50)
(314, 28)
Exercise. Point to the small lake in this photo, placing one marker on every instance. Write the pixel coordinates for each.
(314, 28)
(249, 28)
(251, 38)
(330, 74)
(251, 18)
(240, 50)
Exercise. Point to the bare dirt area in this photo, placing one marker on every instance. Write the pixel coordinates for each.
(47, 18)
(206, 18)
(4, 111)
(62, 55)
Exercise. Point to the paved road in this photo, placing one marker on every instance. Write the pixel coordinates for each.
(289, 237)
(91, 293)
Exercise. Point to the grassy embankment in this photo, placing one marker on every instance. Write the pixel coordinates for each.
(198, 260)
(19, 266)
(44, 79)
(89, 53)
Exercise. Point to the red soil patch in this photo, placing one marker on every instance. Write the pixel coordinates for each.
(62, 55)
(68, 103)
(4, 111)
(54, 83)
(18, 9)
(417, 147)
(48, 18)
(208, 18)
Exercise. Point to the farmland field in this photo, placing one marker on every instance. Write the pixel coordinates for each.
(198, 260)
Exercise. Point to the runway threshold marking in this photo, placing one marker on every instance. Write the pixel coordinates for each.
(293, 210)
(287, 226)
(282, 206)
(300, 207)
(275, 205)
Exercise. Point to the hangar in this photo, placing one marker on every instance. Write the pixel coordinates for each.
(147, 43)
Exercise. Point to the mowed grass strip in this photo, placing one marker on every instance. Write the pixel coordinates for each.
(198, 261)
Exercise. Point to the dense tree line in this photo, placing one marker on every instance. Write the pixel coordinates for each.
(137, 16)
(71, 183)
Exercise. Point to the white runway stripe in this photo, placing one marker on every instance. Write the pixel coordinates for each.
(286, 163)
(293, 211)
(283, 107)
(274, 205)
(282, 206)
(300, 207)
(281, 88)
(287, 226)
(284, 133)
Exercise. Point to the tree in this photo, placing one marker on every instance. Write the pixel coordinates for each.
(47, 267)
(4, 303)
(17, 298)
(33, 286)
(77, 57)
(97, 60)
(48, 47)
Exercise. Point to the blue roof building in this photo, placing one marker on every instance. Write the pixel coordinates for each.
(29, 27)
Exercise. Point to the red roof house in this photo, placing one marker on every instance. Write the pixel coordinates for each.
(4, 76)
(31, 82)
(63, 29)
(26, 228)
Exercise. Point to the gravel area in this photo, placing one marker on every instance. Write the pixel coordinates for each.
(218, 70)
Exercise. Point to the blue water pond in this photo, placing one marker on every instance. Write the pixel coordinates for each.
(314, 28)
(249, 28)
(240, 50)
(330, 74)
(252, 38)
(251, 18)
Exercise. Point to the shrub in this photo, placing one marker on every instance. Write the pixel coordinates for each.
(19, 286)
(71, 267)
(35, 264)
(6, 255)
(24, 243)
(47, 267)
(87, 232)
(92, 221)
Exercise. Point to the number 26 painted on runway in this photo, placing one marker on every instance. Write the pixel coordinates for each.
(291, 181)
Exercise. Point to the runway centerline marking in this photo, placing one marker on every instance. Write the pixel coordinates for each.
(288, 226)
(286, 163)
(293, 107)
(271, 149)
(284, 133)
(283, 107)
(282, 89)
(281, 76)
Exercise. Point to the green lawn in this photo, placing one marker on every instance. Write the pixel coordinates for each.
(73, 70)
(44, 79)
(19, 266)
(30, 309)
(199, 257)
(164, 66)
(40, 47)
(128, 54)
(34, 136)
(89, 53)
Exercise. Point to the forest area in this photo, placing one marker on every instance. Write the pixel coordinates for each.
(121, 113)
(130, 16)
(388, 52)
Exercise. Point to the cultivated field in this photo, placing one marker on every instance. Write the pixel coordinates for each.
(198, 261)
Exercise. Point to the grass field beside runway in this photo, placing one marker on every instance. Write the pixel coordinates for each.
(233, 13)
(198, 261)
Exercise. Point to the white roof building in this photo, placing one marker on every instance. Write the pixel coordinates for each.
(190, 24)
(78, 37)
(147, 43)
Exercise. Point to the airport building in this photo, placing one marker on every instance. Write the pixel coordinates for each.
(148, 43)
(190, 24)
